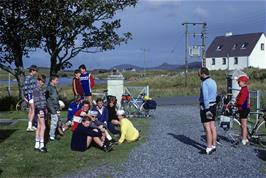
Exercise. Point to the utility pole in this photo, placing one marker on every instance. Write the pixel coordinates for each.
(144, 58)
(203, 44)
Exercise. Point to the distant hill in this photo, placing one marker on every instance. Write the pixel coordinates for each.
(164, 66)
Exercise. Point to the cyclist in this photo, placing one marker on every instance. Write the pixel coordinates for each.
(29, 84)
(208, 93)
(242, 103)
(76, 84)
(87, 83)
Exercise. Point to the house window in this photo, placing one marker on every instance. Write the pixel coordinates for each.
(219, 47)
(234, 47)
(244, 45)
(213, 61)
(262, 46)
(224, 61)
(236, 60)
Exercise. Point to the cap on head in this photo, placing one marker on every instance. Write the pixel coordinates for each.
(243, 78)
(93, 113)
(41, 77)
(120, 112)
(33, 67)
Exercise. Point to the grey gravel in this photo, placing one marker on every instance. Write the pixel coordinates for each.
(174, 148)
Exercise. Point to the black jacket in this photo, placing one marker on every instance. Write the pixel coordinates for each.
(79, 137)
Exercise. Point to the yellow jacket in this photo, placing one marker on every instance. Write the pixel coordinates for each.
(128, 131)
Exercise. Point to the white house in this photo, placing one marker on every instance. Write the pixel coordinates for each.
(237, 52)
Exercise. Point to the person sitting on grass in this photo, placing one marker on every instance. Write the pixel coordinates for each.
(96, 124)
(128, 131)
(80, 114)
(40, 105)
(102, 111)
(84, 135)
(74, 106)
(112, 117)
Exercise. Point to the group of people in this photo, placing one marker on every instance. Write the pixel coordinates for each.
(208, 93)
(100, 123)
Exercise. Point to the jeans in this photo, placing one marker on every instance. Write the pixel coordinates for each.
(54, 122)
(111, 128)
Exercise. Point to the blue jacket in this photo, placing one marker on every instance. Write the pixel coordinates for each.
(102, 117)
(208, 92)
(72, 109)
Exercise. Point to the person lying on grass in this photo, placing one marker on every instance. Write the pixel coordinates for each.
(83, 135)
(128, 131)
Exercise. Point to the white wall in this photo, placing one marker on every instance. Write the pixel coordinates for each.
(242, 63)
(257, 57)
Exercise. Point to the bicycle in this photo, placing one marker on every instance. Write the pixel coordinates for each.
(256, 132)
(22, 105)
(133, 105)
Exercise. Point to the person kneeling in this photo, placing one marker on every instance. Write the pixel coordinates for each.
(83, 136)
(128, 131)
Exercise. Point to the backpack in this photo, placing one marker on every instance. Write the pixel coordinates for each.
(150, 104)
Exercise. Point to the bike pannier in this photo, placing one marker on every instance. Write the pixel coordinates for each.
(150, 104)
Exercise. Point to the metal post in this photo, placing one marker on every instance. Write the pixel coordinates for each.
(186, 53)
(9, 84)
(147, 90)
(258, 101)
(203, 37)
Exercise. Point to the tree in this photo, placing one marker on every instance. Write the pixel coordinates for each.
(73, 26)
(17, 36)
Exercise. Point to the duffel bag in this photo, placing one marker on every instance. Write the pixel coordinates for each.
(150, 104)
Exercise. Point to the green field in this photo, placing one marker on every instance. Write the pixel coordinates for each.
(17, 158)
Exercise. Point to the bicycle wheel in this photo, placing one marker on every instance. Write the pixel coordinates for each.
(261, 134)
(236, 128)
(22, 105)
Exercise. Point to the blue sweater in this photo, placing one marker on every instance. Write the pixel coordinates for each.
(72, 109)
(102, 117)
(208, 92)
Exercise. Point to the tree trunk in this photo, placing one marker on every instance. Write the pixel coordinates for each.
(20, 77)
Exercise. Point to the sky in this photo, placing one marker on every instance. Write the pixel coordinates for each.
(158, 34)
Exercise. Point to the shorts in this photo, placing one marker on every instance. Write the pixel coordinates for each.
(40, 113)
(87, 93)
(243, 114)
(29, 98)
(203, 114)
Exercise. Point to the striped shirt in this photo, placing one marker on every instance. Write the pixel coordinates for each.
(29, 84)
(39, 98)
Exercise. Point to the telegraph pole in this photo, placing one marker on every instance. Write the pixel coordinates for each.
(203, 44)
(144, 58)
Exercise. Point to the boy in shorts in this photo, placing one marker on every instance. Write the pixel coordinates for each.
(29, 85)
(242, 103)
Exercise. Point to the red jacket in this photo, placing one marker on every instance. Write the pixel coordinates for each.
(242, 99)
(77, 87)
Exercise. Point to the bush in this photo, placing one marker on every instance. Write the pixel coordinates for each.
(8, 103)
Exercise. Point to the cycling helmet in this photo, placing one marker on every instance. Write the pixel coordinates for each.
(244, 79)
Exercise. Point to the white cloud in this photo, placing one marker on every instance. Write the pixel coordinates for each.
(201, 12)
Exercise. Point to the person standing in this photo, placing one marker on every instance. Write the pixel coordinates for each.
(76, 85)
(29, 84)
(243, 106)
(53, 104)
(87, 83)
(40, 105)
(208, 93)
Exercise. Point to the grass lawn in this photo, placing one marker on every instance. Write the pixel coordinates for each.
(17, 158)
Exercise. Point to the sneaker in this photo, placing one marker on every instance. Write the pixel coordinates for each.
(30, 129)
(213, 148)
(52, 138)
(208, 151)
(107, 148)
(34, 128)
(245, 142)
(43, 150)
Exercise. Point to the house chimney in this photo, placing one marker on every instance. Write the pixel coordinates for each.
(228, 34)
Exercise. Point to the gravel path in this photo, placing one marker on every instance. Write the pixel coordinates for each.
(174, 148)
